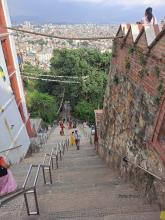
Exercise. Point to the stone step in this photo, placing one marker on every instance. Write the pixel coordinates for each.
(83, 188)
(105, 213)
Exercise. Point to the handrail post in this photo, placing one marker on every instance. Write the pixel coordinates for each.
(36, 177)
(54, 155)
(50, 175)
(43, 171)
(25, 191)
(51, 158)
(59, 149)
(63, 148)
(27, 176)
(68, 143)
(26, 203)
(60, 155)
(36, 201)
(52, 163)
(47, 167)
(57, 160)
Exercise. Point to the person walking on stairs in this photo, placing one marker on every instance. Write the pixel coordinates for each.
(72, 138)
(62, 128)
(77, 139)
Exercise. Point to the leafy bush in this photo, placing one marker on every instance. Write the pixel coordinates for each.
(84, 111)
(42, 105)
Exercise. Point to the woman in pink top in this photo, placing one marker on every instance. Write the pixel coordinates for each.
(7, 181)
(149, 18)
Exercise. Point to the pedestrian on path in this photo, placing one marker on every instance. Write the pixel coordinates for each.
(62, 128)
(7, 181)
(72, 139)
(74, 124)
(77, 139)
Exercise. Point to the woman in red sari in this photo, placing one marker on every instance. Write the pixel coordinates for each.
(62, 128)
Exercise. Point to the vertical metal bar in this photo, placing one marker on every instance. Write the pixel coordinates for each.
(26, 203)
(43, 170)
(44, 159)
(52, 163)
(36, 201)
(66, 144)
(50, 174)
(37, 173)
(60, 155)
(63, 148)
(51, 158)
(27, 176)
(57, 160)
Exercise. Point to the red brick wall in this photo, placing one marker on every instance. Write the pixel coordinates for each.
(140, 63)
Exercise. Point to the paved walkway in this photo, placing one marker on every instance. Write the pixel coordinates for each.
(83, 188)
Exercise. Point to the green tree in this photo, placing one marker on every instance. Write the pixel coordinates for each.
(84, 111)
(94, 86)
(42, 105)
(90, 66)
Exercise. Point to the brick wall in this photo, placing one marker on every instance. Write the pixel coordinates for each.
(134, 106)
(144, 64)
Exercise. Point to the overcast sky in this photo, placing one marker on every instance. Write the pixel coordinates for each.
(83, 11)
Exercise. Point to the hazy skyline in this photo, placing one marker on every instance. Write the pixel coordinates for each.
(83, 11)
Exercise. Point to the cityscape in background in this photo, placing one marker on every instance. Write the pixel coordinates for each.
(38, 50)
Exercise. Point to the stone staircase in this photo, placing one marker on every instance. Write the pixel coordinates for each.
(83, 188)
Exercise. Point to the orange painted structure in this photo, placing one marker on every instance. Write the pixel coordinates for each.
(15, 124)
(9, 58)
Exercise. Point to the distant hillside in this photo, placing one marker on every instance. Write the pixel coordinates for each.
(39, 20)
(21, 19)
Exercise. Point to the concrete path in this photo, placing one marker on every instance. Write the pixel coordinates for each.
(83, 188)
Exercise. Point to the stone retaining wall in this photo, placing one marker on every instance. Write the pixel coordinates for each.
(131, 112)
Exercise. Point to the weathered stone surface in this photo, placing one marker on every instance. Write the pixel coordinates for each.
(127, 128)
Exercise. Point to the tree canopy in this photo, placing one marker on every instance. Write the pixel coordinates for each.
(90, 66)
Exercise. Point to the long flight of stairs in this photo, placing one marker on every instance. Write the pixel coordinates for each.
(84, 188)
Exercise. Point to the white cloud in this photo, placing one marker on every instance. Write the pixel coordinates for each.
(125, 3)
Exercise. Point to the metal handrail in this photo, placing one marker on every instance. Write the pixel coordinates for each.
(50, 159)
(13, 195)
(54, 156)
(43, 166)
(43, 163)
(26, 191)
(28, 174)
(147, 171)
(12, 148)
(36, 177)
(32, 189)
(56, 151)
(136, 165)
(48, 166)
(60, 148)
